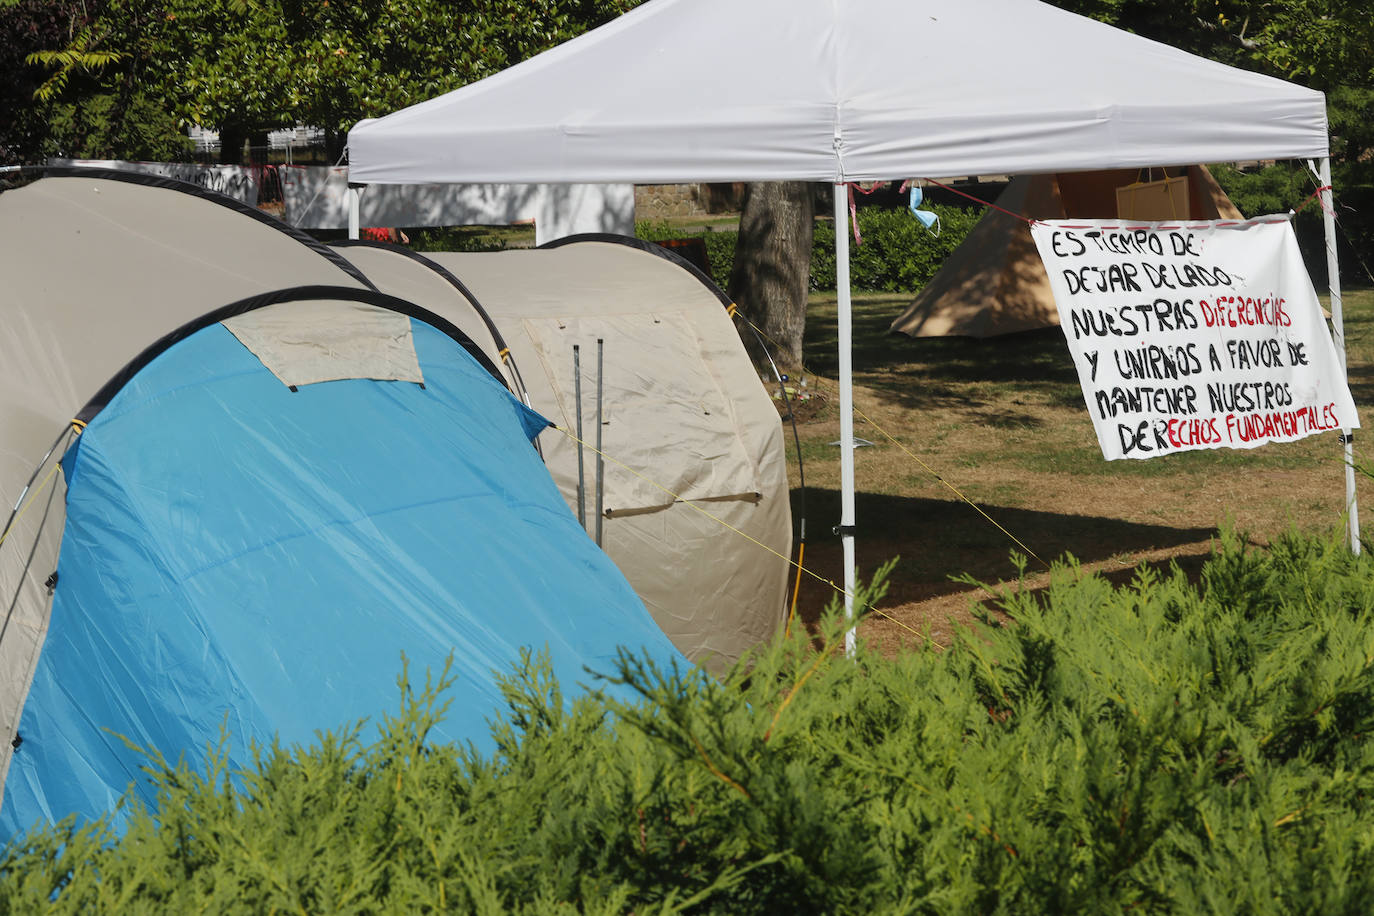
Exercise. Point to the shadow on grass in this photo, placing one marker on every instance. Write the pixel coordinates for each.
(1361, 379)
(937, 539)
(936, 371)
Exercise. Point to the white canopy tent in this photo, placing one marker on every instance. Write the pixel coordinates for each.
(847, 90)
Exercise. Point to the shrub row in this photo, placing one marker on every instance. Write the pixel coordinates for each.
(1159, 747)
(898, 254)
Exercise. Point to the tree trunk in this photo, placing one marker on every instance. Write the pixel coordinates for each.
(334, 143)
(771, 274)
(231, 144)
(257, 147)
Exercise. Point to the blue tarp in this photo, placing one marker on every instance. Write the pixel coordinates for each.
(239, 553)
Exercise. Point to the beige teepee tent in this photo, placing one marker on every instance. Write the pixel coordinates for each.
(994, 283)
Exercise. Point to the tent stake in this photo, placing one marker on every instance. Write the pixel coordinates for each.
(846, 529)
(581, 466)
(600, 462)
(1333, 279)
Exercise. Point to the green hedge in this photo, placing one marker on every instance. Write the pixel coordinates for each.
(1160, 747)
(720, 245)
(471, 238)
(1284, 186)
(898, 254)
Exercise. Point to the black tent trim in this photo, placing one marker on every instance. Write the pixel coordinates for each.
(262, 300)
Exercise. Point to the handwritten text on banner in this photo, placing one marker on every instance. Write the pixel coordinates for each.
(1194, 335)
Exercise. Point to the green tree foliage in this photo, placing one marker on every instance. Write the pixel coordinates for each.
(76, 113)
(26, 26)
(1161, 747)
(1318, 43)
(241, 66)
(1323, 44)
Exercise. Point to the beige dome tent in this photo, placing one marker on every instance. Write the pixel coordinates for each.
(683, 408)
(994, 282)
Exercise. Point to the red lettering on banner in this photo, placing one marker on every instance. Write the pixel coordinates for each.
(1245, 312)
(1280, 424)
(1193, 432)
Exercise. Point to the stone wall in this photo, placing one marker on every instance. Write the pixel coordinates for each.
(664, 201)
(660, 201)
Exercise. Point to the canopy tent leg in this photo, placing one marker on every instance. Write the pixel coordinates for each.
(355, 203)
(844, 317)
(1333, 279)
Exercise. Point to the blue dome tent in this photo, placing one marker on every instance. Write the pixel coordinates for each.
(259, 509)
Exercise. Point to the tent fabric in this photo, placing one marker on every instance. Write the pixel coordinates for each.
(683, 407)
(416, 278)
(241, 555)
(322, 342)
(433, 284)
(840, 90)
(685, 439)
(190, 193)
(995, 282)
(97, 266)
(214, 541)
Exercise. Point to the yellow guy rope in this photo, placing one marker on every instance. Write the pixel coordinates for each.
(720, 521)
(953, 489)
(32, 498)
(796, 590)
(78, 426)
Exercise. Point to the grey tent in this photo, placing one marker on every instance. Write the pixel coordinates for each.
(683, 410)
(994, 282)
(246, 484)
(57, 356)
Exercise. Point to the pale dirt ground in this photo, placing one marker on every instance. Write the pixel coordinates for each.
(1003, 421)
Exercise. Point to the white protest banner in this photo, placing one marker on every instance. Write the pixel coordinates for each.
(1194, 335)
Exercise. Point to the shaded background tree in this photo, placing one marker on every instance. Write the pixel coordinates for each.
(771, 274)
(1323, 44)
(63, 93)
(244, 67)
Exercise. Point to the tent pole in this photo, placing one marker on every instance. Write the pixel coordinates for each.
(845, 320)
(355, 204)
(600, 455)
(1333, 279)
(581, 466)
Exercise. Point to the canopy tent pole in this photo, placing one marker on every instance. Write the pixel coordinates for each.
(1333, 279)
(355, 203)
(844, 318)
(581, 460)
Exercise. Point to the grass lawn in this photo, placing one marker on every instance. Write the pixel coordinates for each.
(1003, 421)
